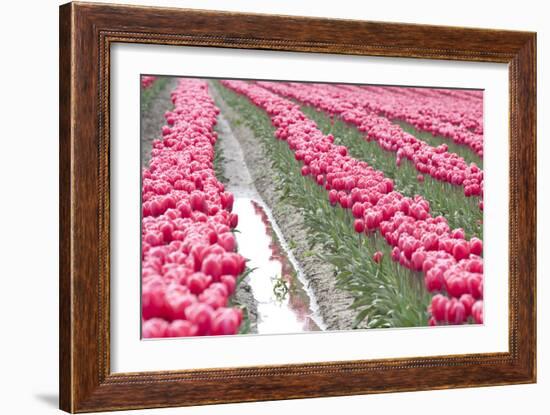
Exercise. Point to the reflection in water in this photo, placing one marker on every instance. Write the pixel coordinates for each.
(285, 304)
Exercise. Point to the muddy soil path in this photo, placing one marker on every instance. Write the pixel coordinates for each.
(333, 302)
(275, 292)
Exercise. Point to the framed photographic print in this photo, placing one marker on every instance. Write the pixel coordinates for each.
(258, 207)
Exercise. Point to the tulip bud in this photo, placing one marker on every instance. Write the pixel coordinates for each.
(359, 225)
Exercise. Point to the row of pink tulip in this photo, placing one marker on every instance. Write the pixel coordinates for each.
(189, 261)
(475, 97)
(353, 108)
(457, 119)
(147, 81)
(420, 242)
(453, 114)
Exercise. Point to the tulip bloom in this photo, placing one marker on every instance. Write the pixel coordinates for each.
(377, 257)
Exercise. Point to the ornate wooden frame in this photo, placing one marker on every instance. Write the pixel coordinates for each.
(86, 33)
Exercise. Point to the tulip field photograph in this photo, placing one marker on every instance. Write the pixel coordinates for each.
(282, 207)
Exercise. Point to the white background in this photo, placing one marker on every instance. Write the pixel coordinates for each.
(129, 354)
(29, 207)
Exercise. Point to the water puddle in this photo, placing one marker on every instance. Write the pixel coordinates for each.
(285, 304)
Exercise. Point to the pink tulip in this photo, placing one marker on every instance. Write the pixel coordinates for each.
(226, 321)
(476, 246)
(377, 256)
(455, 312)
(181, 328)
(467, 301)
(154, 327)
(359, 225)
(461, 250)
(477, 311)
(439, 307)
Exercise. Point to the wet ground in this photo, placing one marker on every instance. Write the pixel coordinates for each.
(281, 298)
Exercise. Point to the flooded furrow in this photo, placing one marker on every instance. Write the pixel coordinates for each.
(284, 302)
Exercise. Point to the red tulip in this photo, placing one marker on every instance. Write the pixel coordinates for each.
(357, 210)
(153, 301)
(230, 265)
(197, 282)
(213, 298)
(458, 233)
(456, 313)
(230, 282)
(371, 221)
(178, 303)
(461, 250)
(395, 254)
(220, 288)
(233, 220)
(433, 279)
(227, 241)
(456, 286)
(212, 265)
(226, 321)
(153, 328)
(474, 285)
(200, 314)
(476, 246)
(377, 256)
(181, 328)
(359, 225)
(477, 312)
(417, 260)
(185, 209)
(467, 301)
(439, 307)
(333, 197)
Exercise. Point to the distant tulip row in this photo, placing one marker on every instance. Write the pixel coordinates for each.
(449, 116)
(147, 81)
(473, 96)
(189, 264)
(436, 162)
(451, 265)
